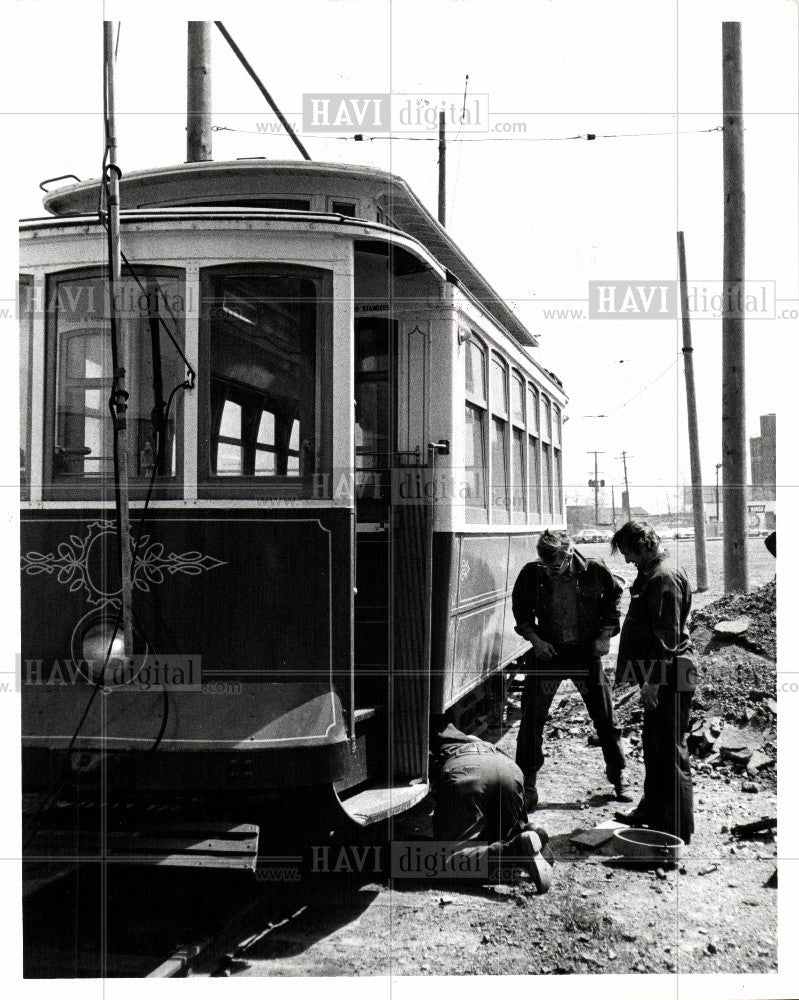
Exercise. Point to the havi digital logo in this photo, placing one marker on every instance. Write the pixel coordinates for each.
(346, 112)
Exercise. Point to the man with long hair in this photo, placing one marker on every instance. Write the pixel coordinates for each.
(567, 607)
(655, 651)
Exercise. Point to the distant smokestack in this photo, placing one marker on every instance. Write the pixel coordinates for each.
(198, 92)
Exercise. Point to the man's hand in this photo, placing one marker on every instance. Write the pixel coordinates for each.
(649, 696)
(544, 651)
(601, 646)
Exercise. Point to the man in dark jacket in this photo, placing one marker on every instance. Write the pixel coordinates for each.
(655, 651)
(567, 607)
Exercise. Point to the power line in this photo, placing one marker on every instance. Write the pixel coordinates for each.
(589, 136)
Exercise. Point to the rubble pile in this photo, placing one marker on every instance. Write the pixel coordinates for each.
(747, 619)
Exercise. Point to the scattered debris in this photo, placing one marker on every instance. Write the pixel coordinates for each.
(736, 627)
(758, 608)
(747, 830)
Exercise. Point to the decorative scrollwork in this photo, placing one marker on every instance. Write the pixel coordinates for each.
(70, 564)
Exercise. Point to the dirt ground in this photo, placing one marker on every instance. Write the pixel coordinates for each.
(716, 913)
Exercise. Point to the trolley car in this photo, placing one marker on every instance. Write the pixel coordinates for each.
(358, 450)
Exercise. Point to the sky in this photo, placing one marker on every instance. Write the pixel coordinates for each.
(540, 218)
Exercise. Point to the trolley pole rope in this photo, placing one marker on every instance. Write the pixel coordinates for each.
(119, 395)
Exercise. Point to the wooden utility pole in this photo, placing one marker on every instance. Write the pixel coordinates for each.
(442, 168)
(595, 483)
(693, 424)
(733, 386)
(625, 499)
(119, 394)
(198, 92)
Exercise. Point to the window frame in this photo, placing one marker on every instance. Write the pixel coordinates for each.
(479, 514)
(92, 489)
(317, 486)
(520, 515)
(28, 281)
(534, 515)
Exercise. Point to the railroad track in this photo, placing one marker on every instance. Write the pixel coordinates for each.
(154, 923)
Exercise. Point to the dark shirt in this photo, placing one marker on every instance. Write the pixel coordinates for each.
(655, 637)
(598, 600)
(566, 622)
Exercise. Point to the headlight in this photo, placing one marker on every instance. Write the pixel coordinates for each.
(95, 645)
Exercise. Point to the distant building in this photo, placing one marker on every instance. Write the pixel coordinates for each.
(763, 454)
(761, 503)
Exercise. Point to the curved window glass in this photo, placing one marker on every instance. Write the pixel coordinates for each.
(25, 313)
(264, 341)
(80, 360)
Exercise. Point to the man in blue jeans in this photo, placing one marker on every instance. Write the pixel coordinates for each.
(656, 652)
(568, 608)
(479, 810)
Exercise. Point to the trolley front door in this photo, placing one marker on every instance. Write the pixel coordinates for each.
(394, 542)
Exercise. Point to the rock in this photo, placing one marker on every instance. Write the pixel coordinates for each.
(732, 738)
(758, 694)
(715, 725)
(739, 757)
(758, 760)
(750, 787)
(771, 705)
(445, 900)
(708, 870)
(736, 626)
(711, 948)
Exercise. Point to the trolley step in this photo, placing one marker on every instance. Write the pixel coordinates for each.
(371, 805)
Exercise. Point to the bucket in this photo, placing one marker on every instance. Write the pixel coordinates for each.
(648, 845)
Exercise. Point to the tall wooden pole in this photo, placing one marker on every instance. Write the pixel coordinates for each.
(198, 92)
(693, 424)
(625, 500)
(118, 346)
(596, 455)
(442, 168)
(733, 401)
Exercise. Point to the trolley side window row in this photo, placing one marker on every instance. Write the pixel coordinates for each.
(513, 465)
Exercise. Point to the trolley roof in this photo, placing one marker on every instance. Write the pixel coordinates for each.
(245, 182)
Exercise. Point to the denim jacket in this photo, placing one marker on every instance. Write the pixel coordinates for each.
(598, 593)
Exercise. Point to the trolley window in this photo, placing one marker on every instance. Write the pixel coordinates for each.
(500, 481)
(546, 480)
(265, 346)
(80, 365)
(475, 458)
(557, 430)
(25, 313)
(518, 449)
(533, 455)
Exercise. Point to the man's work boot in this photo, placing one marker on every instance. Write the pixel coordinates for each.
(638, 817)
(621, 785)
(528, 846)
(543, 836)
